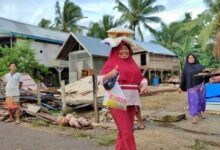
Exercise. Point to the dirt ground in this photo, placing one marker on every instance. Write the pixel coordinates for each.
(181, 135)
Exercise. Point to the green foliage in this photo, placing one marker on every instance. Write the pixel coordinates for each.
(184, 37)
(198, 145)
(98, 29)
(67, 18)
(45, 23)
(23, 56)
(139, 12)
(107, 140)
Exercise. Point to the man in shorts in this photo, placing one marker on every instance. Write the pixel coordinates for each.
(13, 81)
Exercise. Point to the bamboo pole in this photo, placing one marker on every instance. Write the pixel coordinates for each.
(95, 103)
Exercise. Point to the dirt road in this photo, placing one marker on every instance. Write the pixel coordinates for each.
(13, 137)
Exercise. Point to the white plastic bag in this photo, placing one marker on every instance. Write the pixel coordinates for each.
(115, 98)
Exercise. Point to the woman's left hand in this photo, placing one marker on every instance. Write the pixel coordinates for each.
(143, 89)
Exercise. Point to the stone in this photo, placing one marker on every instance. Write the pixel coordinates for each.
(165, 116)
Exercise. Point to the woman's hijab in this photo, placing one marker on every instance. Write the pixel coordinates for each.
(129, 72)
(188, 79)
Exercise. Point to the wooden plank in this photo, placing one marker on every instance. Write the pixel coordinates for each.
(95, 88)
(46, 117)
(63, 95)
(33, 108)
(38, 94)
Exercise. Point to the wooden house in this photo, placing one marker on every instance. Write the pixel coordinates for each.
(156, 61)
(86, 55)
(45, 43)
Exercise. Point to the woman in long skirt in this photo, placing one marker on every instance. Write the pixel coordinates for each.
(194, 86)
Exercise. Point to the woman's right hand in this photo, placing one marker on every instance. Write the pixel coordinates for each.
(111, 74)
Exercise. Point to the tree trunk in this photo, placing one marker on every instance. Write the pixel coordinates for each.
(217, 40)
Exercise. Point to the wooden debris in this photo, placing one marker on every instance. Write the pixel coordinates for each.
(3, 114)
(62, 121)
(173, 79)
(33, 108)
(162, 88)
(68, 117)
(44, 116)
(105, 115)
(75, 123)
(80, 92)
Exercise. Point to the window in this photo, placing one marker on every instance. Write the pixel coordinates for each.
(41, 51)
(143, 59)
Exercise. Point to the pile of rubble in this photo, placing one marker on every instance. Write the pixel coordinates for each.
(81, 92)
(173, 80)
(70, 120)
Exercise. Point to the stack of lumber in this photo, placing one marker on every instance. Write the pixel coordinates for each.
(81, 91)
(173, 79)
(162, 88)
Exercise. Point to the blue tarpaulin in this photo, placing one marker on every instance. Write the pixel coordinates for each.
(212, 90)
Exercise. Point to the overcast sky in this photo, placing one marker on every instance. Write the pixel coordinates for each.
(32, 11)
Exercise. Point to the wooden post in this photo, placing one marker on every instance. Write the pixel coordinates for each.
(95, 103)
(149, 71)
(59, 69)
(161, 76)
(38, 94)
(63, 95)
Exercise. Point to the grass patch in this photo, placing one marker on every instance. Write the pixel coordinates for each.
(60, 127)
(107, 140)
(198, 145)
(39, 122)
(55, 112)
(81, 134)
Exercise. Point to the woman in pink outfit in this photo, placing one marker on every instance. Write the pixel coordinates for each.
(132, 82)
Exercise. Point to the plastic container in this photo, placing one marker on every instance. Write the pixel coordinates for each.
(156, 81)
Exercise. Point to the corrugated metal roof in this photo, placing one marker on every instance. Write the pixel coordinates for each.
(93, 45)
(155, 48)
(21, 29)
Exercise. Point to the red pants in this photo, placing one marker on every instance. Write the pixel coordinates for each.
(124, 121)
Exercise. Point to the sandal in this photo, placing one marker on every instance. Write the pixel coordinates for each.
(194, 121)
(136, 127)
(202, 116)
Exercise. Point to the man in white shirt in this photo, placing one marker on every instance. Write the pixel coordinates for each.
(13, 84)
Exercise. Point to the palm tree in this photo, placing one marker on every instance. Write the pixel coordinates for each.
(178, 37)
(214, 9)
(173, 33)
(66, 20)
(210, 22)
(98, 29)
(139, 12)
(45, 23)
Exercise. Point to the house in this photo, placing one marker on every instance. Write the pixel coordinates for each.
(156, 60)
(88, 53)
(45, 43)
(83, 53)
(76, 56)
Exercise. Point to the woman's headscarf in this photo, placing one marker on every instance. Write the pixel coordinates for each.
(188, 79)
(128, 70)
